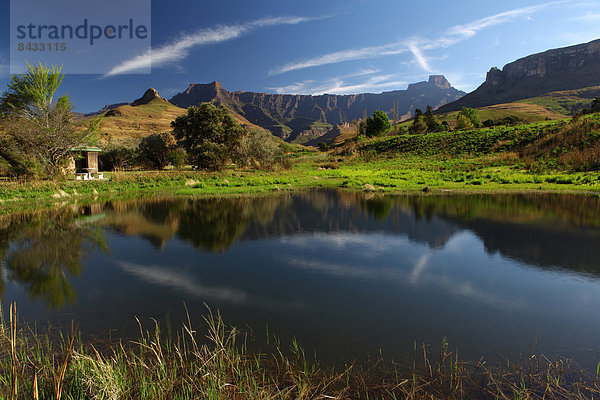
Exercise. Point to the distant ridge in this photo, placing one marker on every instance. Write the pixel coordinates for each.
(566, 68)
(290, 115)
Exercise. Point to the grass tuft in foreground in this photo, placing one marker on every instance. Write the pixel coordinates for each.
(46, 365)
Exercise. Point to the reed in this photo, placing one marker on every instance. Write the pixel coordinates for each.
(216, 363)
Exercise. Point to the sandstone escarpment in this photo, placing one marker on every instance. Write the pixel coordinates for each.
(566, 68)
(290, 116)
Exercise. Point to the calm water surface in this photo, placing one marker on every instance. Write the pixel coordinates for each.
(346, 274)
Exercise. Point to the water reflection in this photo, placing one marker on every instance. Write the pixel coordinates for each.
(41, 251)
(344, 271)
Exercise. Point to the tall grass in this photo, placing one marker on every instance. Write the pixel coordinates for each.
(45, 365)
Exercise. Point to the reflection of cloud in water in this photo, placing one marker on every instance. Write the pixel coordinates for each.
(182, 282)
(417, 276)
(185, 283)
(419, 267)
(374, 242)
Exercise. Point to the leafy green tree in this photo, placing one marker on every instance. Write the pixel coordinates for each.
(154, 150)
(464, 123)
(37, 131)
(471, 114)
(210, 135)
(379, 124)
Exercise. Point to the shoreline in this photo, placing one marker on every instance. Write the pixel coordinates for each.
(18, 196)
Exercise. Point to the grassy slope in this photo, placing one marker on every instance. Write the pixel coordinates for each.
(127, 124)
(528, 113)
(133, 123)
(566, 102)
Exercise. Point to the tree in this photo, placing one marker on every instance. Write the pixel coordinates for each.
(419, 126)
(37, 132)
(432, 124)
(156, 148)
(471, 114)
(259, 149)
(378, 124)
(464, 123)
(210, 135)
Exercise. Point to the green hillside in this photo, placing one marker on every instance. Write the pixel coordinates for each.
(566, 102)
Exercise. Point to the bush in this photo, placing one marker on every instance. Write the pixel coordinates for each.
(154, 149)
(471, 114)
(117, 157)
(260, 150)
(177, 157)
(464, 123)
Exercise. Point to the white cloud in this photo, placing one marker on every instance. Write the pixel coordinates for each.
(180, 48)
(588, 17)
(344, 55)
(341, 85)
(452, 36)
(419, 57)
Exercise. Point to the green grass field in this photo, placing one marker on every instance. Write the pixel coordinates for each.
(560, 155)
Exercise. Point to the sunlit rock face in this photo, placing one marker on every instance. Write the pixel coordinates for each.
(566, 68)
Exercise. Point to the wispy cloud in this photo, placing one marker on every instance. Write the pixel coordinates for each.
(419, 57)
(416, 46)
(344, 55)
(184, 283)
(180, 48)
(343, 85)
(588, 17)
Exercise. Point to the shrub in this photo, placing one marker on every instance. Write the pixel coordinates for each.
(154, 149)
(117, 157)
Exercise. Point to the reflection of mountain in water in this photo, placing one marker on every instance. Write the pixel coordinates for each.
(42, 250)
(543, 230)
(215, 224)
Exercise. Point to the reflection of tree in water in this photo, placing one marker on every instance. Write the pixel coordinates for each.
(377, 206)
(215, 224)
(40, 251)
(156, 220)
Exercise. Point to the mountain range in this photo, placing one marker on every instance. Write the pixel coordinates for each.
(554, 83)
(291, 116)
(566, 68)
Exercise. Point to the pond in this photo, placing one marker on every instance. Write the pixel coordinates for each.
(347, 274)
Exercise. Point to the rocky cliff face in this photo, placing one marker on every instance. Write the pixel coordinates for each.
(288, 116)
(566, 68)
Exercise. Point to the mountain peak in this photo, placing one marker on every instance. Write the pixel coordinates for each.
(150, 95)
(439, 81)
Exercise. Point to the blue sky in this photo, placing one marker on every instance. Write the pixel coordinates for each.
(314, 47)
